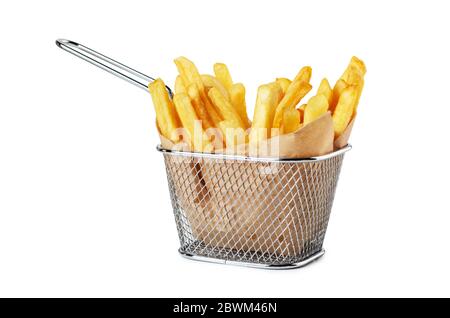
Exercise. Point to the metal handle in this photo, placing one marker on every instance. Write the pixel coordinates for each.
(108, 64)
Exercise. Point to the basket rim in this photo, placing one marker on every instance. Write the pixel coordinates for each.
(171, 152)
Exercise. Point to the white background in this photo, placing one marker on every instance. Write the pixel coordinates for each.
(84, 205)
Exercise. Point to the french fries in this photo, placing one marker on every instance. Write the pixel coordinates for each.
(235, 93)
(190, 75)
(166, 115)
(210, 82)
(301, 112)
(227, 111)
(196, 136)
(291, 121)
(346, 95)
(325, 90)
(357, 64)
(237, 97)
(344, 109)
(304, 74)
(209, 112)
(284, 83)
(213, 113)
(292, 95)
(316, 107)
(266, 103)
(188, 72)
(223, 75)
(337, 90)
(353, 75)
(199, 107)
(296, 91)
(233, 133)
(179, 85)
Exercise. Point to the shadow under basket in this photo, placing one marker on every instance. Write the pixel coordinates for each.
(257, 212)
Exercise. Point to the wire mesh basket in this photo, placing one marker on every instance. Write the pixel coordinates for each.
(258, 212)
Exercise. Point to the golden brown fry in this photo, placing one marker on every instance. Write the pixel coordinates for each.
(304, 74)
(356, 64)
(199, 107)
(337, 90)
(179, 85)
(301, 112)
(354, 75)
(227, 111)
(214, 114)
(266, 103)
(284, 83)
(356, 78)
(190, 75)
(188, 72)
(291, 121)
(223, 75)
(166, 115)
(191, 123)
(234, 135)
(344, 109)
(237, 97)
(316, 107)
(280, 91)
(296, 91)
(210, 81)
(325, 89)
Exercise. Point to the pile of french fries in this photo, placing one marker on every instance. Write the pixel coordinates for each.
(209, 112)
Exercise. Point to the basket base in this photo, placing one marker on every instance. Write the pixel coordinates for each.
(305, 262)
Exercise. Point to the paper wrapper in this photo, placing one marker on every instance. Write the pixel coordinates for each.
(245, 205)
(312, 140)
(342, 140)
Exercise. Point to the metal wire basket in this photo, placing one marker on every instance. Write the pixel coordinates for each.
(257, 212)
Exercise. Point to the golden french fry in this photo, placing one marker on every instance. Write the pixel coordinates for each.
(296, 91)
(191, 123)
(344, 109)
(280, 91)
(237, 97)
(179, 85)
(356, 78)
(190, 75)
(301, 112)
(291, 121)
(188, 72)
(337, 90)
(356, 64)
(199, 107)
(214, 114)
(354, 75)
(359, 89)
(284, 83)
(215, 136)
(234, 134)
(316, 107)
(304, 74)
(266, 103)
(223, 75)
(166, 114)
(325, 89)
(227, 111)
(210, 81)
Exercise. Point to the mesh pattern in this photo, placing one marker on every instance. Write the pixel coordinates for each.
(273, 213)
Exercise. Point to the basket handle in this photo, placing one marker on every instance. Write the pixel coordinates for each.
(108, 64)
